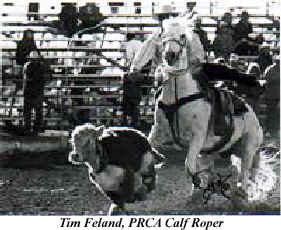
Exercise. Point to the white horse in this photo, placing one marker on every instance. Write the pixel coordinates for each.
(121, 162)
(182, 101)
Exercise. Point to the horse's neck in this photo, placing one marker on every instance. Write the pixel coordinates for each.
(178, 87)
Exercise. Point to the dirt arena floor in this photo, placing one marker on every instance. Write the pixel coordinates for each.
(47, 184)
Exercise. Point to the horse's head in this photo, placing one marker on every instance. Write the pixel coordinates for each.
(84, 145)
(176, 48)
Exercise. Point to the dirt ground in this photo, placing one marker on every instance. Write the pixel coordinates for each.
(47, 184)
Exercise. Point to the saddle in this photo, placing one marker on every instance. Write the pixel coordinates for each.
(224, 104)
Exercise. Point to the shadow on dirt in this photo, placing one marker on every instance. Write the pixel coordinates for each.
(28, 160)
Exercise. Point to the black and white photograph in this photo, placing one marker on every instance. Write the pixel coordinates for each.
(139, 107)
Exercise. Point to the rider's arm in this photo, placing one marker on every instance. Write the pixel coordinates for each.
(197, 50)
(146, 52)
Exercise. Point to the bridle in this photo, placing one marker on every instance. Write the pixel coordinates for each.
(182, 42)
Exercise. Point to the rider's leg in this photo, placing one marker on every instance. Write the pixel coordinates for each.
(220, 72)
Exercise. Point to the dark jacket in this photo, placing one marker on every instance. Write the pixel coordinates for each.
(126, 149)
(36, 76)
(242, 30)
(24, 48)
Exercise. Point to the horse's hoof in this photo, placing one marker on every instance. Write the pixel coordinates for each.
(116, 211)
(149, 182)
(141, 194)
(240, 193)
(196, 196)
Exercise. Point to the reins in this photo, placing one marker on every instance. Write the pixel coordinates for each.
(176, 130)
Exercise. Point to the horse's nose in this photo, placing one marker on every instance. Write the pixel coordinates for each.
(170, 57)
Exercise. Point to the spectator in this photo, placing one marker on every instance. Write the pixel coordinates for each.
(202, 34)
(25, 47)
(23, 50)
(243, 28)
(89, 15)
(224, 41)
(69, 19)
(264, 59)
(34, 73)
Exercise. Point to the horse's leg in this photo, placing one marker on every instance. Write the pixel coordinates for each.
(115, 210)
(112, 209)
(160, 131)
(195, 147)
(251, 141)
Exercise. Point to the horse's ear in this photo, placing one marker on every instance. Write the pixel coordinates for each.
(99, 130)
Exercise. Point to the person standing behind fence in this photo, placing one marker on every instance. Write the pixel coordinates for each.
(132, 94)
(25, 47)
(34, 77)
